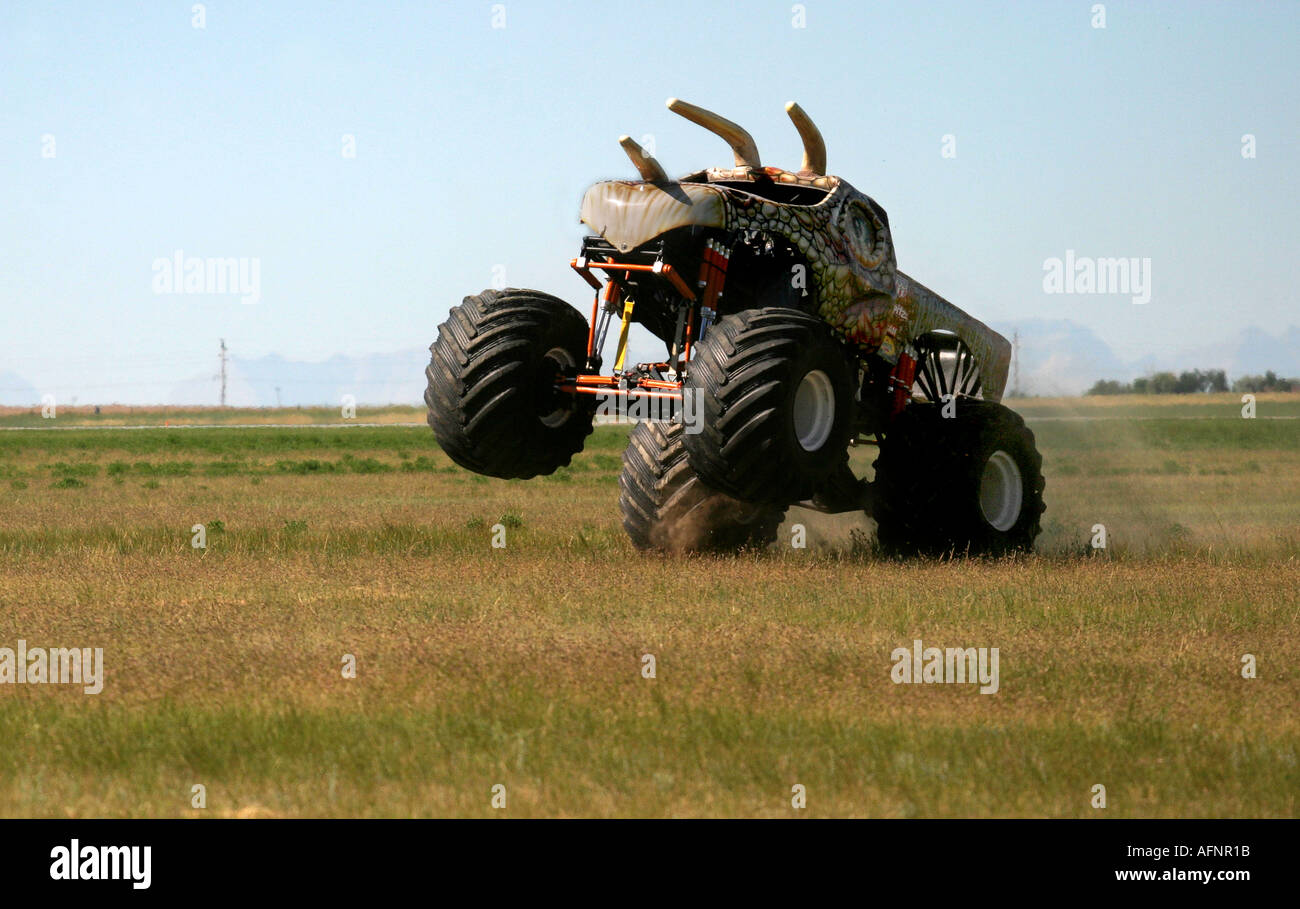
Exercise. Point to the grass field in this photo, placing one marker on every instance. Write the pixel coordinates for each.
(522, 666)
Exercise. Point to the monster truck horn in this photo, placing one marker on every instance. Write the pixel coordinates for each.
(741, 142)
(650, 169)
(814, 148)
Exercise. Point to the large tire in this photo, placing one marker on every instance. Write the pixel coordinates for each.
(666, 507)
(971, 484)
(776, 400)
(491, 397)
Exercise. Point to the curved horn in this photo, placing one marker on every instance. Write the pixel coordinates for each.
(741, 142)
(643, 161)
(814, 148)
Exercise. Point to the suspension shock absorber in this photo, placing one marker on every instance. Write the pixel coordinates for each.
(685, 316)
(624, 325)
(610, 303)
(716, 259)
(900, 384)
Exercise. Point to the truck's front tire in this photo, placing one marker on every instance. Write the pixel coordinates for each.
(491, 376)
(776, 401)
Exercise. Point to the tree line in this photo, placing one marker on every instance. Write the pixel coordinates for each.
(1192, 382)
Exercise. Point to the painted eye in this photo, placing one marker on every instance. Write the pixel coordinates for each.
(864, 232)
(867, 235)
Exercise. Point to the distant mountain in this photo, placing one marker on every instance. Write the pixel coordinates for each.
(389, 378)
(1252, 351)
(270, 381)
(1057, 357)
(15, 391)
(1061, 357)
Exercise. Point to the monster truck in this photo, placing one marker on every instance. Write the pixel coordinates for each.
(790, 335)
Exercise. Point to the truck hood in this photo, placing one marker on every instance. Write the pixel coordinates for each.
(628, 213)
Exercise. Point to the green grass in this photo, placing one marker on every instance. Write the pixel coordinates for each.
(216, 441)
(1224, 406)
(1156, 434)
(123, 415)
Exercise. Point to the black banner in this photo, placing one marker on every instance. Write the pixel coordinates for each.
(654, 858)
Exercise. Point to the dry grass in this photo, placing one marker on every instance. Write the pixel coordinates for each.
(522, 666)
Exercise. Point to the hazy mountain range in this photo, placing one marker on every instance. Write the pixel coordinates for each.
(270, 381)
(1056, 357)
(1060, 357)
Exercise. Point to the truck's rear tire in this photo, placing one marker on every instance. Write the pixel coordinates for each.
(970, 484)
(491, 398)
(776, 401)
(666, 507)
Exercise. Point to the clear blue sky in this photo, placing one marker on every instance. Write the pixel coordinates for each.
(474, 145)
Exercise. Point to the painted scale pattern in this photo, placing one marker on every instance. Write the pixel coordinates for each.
(860, 292)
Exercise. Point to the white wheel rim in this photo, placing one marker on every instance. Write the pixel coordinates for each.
(814, 410)
(1002, 491)
(558, 416)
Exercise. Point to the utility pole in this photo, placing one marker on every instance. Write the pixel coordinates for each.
(1015, 364)
(223, 372)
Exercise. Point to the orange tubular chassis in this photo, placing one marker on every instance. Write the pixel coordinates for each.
(693, 321)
